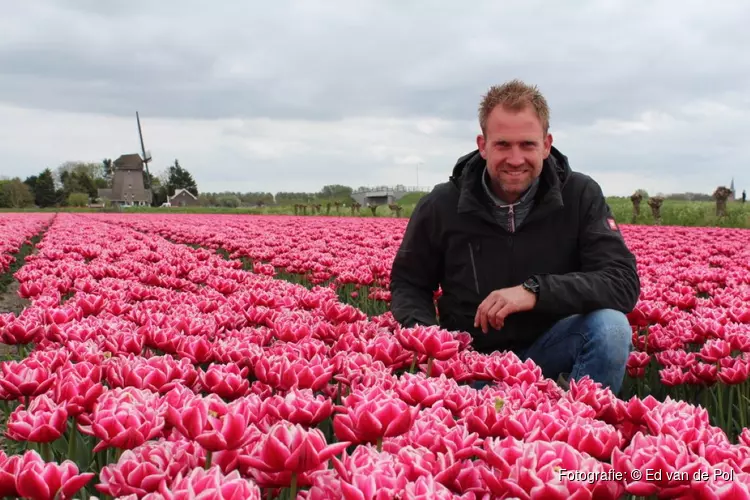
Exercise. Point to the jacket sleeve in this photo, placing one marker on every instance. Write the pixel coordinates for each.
(608, 278)
(416, 270)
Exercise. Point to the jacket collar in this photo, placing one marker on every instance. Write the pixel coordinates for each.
(467, 176)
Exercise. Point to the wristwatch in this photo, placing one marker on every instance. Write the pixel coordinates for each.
(531, 284)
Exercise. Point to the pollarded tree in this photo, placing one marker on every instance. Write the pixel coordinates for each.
(721, 195)
(636, 199)
(655, 203)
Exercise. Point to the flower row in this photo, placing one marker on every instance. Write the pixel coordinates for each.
(160, 371)
(16, 230)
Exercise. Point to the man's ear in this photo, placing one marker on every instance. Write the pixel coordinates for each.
(481, 145)
(547, 145)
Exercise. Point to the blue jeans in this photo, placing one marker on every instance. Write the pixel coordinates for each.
(596, 344)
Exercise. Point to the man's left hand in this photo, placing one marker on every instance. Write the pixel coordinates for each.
(499, 304)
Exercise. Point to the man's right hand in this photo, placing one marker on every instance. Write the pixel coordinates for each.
(500, 304)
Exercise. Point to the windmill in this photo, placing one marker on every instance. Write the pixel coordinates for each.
(146, 154)
(129, 184)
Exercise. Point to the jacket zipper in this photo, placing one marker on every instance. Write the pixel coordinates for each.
(474, 268)
(512, 216)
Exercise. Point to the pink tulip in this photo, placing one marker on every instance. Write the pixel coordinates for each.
(125, 418)
(486, 420)
(722, 483)
(594, 437)
(637, 409)
(299, 407)
(390, 351)
(38, 480)
(465, 479)
(426, 487)
(307, 349)
(145, 468)
(420, 390)
(62, 315)
(637, 363)
(20, 331)
(196, 349)
(283, 374)
(123, 343)
(426, 433)
(291, 448)
(253, 409)
(714, 350)
(166, 340)
(658, 453)
(460, 398)
(189, 413)
(672, 376)
(368, 417)
(506, 367)
(431, 342)
(604, 403)
(325, 484)
(289, 330)
(704, 372)
(532, 470)
(352, 368)
(87, 351)
(157, 374)
(29, 290)
(336, 313)
(91, 305)
(43, 422)
(9, 468)
(25, 378)
(369, 474)
(740, 341)
(211, 484)
(685, 422)
(226, 381)
(238, 351)
(733, 371)
(230, 431)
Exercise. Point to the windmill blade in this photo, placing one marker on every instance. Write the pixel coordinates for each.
(146, 158)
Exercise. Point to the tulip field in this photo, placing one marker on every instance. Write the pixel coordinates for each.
(176, 356)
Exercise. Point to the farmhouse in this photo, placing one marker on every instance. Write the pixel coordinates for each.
(182, 198)
(127, 183)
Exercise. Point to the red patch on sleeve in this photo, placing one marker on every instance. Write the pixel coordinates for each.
(612, 224)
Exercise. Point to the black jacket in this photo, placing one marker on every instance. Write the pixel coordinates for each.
(569, 241)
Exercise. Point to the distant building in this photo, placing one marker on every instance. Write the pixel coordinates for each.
(381, 195)
(182, 198)
(127, 183)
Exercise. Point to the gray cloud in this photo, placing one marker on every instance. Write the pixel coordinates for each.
(193, 59)
(332, 62)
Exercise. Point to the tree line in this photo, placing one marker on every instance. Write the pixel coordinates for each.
(330, 193)
(77, 184)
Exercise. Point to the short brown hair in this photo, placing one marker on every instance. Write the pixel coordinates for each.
(514, 95)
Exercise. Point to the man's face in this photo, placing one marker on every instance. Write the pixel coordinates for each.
(515, 147)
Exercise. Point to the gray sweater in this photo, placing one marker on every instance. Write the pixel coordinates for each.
(510, 215)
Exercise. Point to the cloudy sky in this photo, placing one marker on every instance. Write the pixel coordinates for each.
(292, 95)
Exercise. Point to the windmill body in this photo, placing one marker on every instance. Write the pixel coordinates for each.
(128, 179)
(127, 183)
